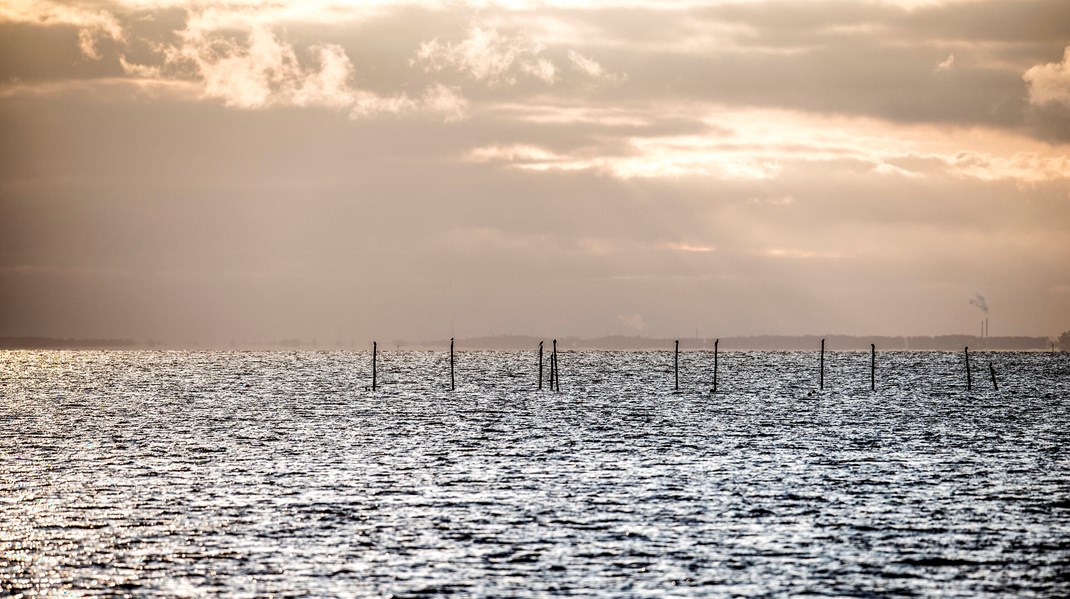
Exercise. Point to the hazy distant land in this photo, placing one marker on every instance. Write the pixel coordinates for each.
(612, 342)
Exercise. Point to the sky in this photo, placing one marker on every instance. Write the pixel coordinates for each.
(230, 170)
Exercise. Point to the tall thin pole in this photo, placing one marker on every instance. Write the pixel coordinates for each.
(676, 364)
(540, 366)
(556, 383)
(969, 381)
(992, 371)
(872, 367)
(375, 350)
(822, 376)
(552, 366)
(715, 342)
(452, 383)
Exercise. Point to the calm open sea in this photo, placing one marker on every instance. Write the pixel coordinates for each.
(280, 473)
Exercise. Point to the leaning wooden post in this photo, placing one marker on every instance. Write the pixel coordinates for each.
(715, 342)
(872, 367)
(676, 365)
(969, 381)
(375, 350)
(821, 380)
(540, 366)
(992, 371)
(452, 383)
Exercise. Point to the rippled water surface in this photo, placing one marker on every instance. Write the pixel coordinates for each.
(251, 474)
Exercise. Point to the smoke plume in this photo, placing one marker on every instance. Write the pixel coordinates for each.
(979, 301)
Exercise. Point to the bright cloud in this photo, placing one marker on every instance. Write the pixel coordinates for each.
(1024, 167)
(260, 71)
(487, 55)
(498, 59)
(751, 145)
(1050, 83)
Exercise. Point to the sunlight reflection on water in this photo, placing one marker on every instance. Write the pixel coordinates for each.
(255, 473)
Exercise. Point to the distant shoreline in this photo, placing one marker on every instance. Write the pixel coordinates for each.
(526, 342)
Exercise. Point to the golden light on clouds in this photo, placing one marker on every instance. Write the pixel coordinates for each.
(531, 165)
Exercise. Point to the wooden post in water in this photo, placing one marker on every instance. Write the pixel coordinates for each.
(969, 381)
(872, 367)
(375, 350)
(540, 366)
(551, 380)
(992, 371)
(555, 384)
(715, 342)
(452, 383)
(821, 380)
(676, 365)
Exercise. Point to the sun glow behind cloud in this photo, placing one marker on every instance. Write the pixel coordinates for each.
(769, 145)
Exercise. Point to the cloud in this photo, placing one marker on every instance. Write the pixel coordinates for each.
(514, 153)
(257, 70)
(92, 24)
(648, 158)
(947, 64)
(139, 70)
(233, 51)
(885, 168)
(1050, 83)
(592, 69)
(689, 248)
(444, 101)
(1023, 167)
(799, 254)
(260, 70)
(774, 201)
(487, 55)
(501, 60)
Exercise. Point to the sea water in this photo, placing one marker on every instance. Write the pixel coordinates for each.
(282, 473)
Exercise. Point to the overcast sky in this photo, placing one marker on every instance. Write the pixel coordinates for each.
(224, 170)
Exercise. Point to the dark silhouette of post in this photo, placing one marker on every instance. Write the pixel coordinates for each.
(540, 366)
(452, 383)
(555, 382)
(552, 365)
(872, 367)
(676, 365)
(821, 379)
(969, 381)
(375, 350)
(992, 371)
(715, 342)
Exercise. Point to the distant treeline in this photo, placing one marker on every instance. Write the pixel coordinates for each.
(52, 343)
(762, 342)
